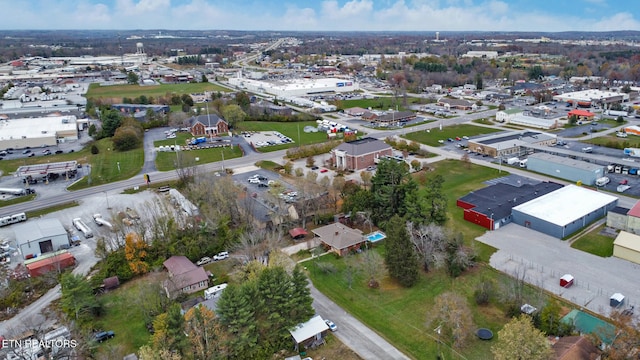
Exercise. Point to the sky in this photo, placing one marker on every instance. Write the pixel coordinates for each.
(322, 15)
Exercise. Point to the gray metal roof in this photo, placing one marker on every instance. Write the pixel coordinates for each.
(38, 229)
(566, 161)
(363, 146)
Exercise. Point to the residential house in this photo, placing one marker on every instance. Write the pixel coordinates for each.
(340, 238)
(575, 348)
(361, 153)
(208, 125)
(184, 276)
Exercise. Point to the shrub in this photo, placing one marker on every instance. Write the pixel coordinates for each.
(94, 149)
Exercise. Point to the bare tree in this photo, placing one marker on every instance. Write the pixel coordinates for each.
(256, 244)
(372, 264)
(430, 242)
(452, 319)
(185, 167)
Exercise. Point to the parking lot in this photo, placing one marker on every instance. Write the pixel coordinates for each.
(266, 138)
(541, 260)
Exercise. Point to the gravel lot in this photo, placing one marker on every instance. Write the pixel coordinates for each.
(544, 259)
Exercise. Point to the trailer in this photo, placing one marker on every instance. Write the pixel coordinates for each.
(16, 191)
(617, 113)
(12, 219)
(513, 160)
(100, 221)
(56, 261)
(82, 227)
(633, 152)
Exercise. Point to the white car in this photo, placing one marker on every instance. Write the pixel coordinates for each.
(254, 181)
(4, 245)
(221, 256)
(205, 260)
(331, 325)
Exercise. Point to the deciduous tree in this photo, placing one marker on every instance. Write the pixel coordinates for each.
(452, 316)
(520, 340)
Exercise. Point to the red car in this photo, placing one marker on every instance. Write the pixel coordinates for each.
(624, 182)
(324, 170)
(458, 138)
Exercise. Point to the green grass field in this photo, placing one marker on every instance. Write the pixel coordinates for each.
(595, 243)
(17, 200)
(133, 91)
(432, 137)
(165, 161)
(181, 139)
(293, 130)
(104, 165)
(381, 103)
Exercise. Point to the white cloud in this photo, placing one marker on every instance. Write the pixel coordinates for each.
(619, 21)
(351, 9)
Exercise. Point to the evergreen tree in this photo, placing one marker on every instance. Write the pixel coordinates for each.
(391, 185)
(400, 256)
(301, 309)
(436, 202)
(237, 315)
(77, 297)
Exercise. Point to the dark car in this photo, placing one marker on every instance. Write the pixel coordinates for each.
(59, 151)
(103, 335)
(26, 151)
(263, 185)
(32, 154)
(314, 168)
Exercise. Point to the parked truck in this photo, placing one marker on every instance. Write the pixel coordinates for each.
(513, 160)
(198, 140)
(100, 221)
(633, 152)
(82, 227)
(617, 113)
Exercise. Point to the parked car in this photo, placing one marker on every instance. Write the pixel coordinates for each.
(103, 335)
(221, 256)
(205, 260)
(254, 181)
(331, 325)
(314, 168)
(264, 185)
(624, 182)
(26, 151)
(324, 170)
(59, 151)
(32, 155)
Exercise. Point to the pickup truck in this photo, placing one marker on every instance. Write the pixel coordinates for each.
(103, 335)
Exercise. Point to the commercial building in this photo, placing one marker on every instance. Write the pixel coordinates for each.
(490, 207)
(36, 132)
(507, 114)
(565, 168)
(37, 237)
(627, 246)
(586, 98)
(208, 125)
(361, 153)
(533, 122)
(565, 211)
(509, 144)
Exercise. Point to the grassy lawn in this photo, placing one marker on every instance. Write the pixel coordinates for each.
(431, 138)
(383, 103)
(165, 161)
(595, 243)
(51, 209)
(460, 179)
(133, 91)
(615, 142)
(293, 130)
(104, 165)
(400, 314)
(181, 139)
(17, 200)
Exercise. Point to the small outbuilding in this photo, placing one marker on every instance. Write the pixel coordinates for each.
(566, 280)
(310, 333)
(616, 300)
(627, 246)
(298, 233)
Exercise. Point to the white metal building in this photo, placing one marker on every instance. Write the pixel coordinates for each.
(36, 132)
(592, 96)
(295, 87)
(37, 237)
(627, 246)
(564, 211)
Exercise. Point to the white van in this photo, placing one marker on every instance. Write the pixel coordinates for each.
(602, 181)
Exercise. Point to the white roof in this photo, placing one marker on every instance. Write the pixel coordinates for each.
(567, 277)
(618, 297)
(311, 328)
(32, 128)
(565, 205)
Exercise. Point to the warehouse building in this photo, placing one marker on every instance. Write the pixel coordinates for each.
(627, 246)
(565, 168)
(295, 87)
(38, 237)
(565, 211)
(490, 207)
(587, 98)
(36, 132)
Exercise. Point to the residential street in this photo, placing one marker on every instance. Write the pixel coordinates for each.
(354, 334)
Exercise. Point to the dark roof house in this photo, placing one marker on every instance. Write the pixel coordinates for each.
(184, 276)
(575, 348)
(340, 238)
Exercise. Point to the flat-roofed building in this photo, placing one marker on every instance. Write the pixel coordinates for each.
(565, 168)
(512, 143)
(627, 246)
(36, 132)
(565, 211)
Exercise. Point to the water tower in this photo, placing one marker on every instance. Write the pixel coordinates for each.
(139, 48)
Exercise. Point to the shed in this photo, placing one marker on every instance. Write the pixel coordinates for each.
(310, 332)
(40, 236)
(566, 280)
(110, 283)
(616, 300)
(298, 233)
(627, 246)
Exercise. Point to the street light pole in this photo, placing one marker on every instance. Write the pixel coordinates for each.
(106, 195)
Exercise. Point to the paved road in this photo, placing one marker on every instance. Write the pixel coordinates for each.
(357, 336)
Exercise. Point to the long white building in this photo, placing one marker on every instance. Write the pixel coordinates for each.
(36, 132)
(295, 87)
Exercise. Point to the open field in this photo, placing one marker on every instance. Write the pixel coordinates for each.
(431, 138)
(133, 91)
(104, 165)
(165, 161)
(293, 130)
